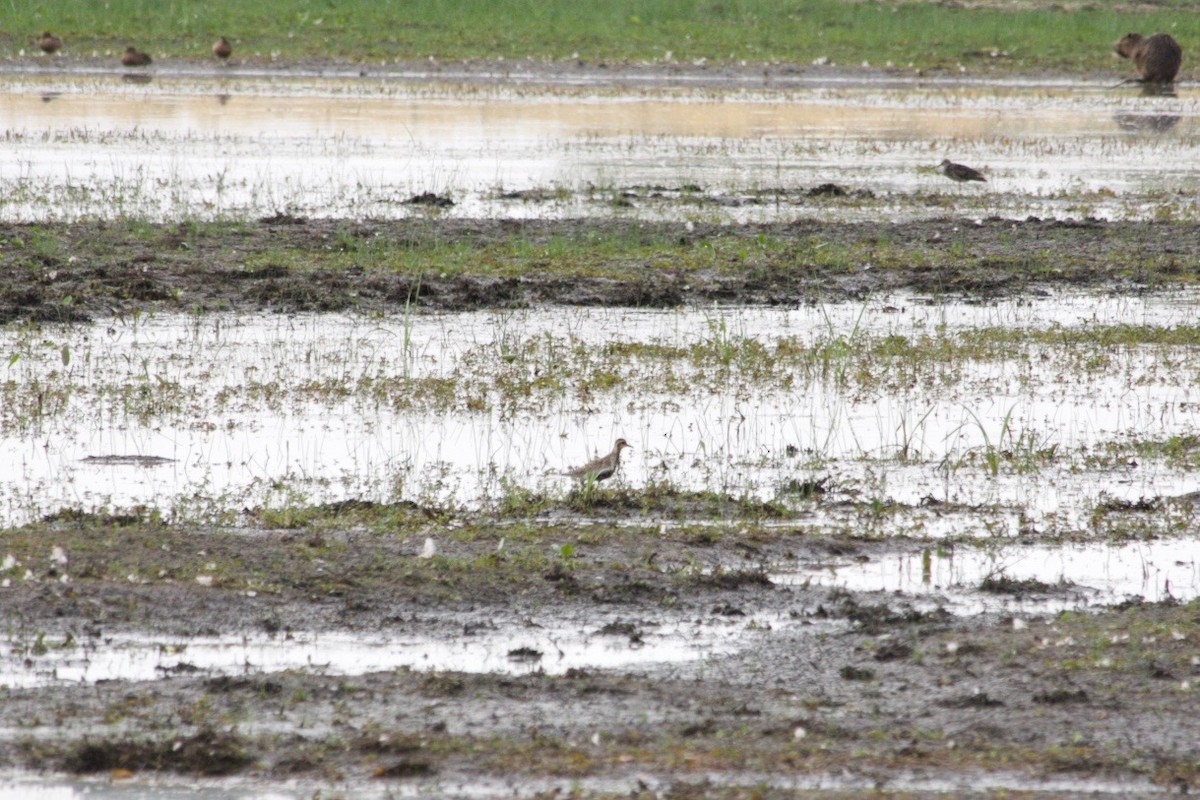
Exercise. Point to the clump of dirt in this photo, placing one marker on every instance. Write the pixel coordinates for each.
(1005, 584)
(207, 753)
(429, 199)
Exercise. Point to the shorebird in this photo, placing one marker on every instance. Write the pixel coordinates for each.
(49, 43)
(221, 48)
(132, 57)
(599, 469)
(960, 172)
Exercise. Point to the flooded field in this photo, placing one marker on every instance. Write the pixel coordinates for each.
(909, 509)
(175, 147)
(895, 400)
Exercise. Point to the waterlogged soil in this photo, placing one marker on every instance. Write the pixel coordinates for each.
(847, 691)
(79, 271)
(832, 689)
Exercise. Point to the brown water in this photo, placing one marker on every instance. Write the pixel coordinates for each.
(178, 147)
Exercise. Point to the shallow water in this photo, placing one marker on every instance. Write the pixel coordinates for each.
(20, 786)
(1073, 575)
(331, 407)
(551, 649)
(244, 145)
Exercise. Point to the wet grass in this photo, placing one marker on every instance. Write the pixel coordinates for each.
(1182, 451)
(58, 376)
(374, 552)
(990, 37)
(126, 266)
(380, 550)
(1155, 640)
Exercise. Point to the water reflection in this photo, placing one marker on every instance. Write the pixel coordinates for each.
(528, 648)
(454, 408)
(318, 146)
(1136, 122)
(1152, 89)
(1038, 578)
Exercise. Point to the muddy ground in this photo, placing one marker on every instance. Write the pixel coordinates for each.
(75, 272)
(831, 690)
(854, 691)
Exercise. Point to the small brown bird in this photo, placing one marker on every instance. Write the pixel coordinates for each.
(132, 57)
(602, 468)
(221, 48)
(49, 43)
(960, 172)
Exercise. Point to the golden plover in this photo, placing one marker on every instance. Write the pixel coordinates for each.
(602, 468)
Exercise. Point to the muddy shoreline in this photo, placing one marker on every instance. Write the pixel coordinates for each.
(77, 272)
(576, 72)
(860, 690)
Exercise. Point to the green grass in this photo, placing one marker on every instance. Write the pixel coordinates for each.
(928, 35)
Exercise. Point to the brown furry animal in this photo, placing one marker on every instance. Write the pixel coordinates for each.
(1156, 57)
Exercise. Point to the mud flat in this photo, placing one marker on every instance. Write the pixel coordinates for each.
(65, 272)
(712, 679)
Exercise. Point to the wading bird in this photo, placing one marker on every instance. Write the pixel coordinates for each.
(221, 48)
(602, 468)
(960, 172)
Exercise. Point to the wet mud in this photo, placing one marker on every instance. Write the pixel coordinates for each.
(97, 269)
(849, 689)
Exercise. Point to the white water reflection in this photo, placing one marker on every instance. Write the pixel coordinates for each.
(552, 650)
(269, 410)
(941, 783)
(1073, 575)
(182, 147)
(21, 786)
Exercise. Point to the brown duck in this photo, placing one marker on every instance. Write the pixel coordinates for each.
(132, 57)
(599, 469)
(221, 48)
(1156, 57)
(49, 43)
(960, 172)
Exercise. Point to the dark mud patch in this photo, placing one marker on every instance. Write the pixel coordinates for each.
(822, 682)
(1078, 697)
(1020, 587)
(655, 500)
(71, 272)
(208, 753)
(128, 460)
(429, 200)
